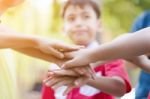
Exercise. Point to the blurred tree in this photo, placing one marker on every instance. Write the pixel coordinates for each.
(56, 19)
(118, 15)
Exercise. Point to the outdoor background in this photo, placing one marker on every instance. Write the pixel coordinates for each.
(19, 73)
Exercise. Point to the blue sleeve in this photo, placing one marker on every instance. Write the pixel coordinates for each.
(142, 21)
(138, 24)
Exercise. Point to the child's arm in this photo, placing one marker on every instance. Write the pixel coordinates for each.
(111, 85)
(123, 47)
(41, 55)
(141, 61)
(12, 39)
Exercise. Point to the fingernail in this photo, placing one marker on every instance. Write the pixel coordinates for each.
(53, 87)
(76, 83)
(50, 73)
(44, 81)
(63, 66)
(47, 84)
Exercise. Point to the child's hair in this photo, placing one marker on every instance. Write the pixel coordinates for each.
(82, 3)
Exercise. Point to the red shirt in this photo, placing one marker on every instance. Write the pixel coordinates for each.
(115, 68)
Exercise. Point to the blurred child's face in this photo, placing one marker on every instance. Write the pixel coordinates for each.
(81, 24)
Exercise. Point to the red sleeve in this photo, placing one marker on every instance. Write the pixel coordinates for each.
(117, 68)
(47, 93)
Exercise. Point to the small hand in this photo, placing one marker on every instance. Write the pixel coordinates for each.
(86, 71)
(77, 59)
(70, 82)
(55, 48)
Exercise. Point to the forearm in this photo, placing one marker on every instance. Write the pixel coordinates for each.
(111, 85)
(141, 61)
(123, 47)
(39, 54)
(12, 39)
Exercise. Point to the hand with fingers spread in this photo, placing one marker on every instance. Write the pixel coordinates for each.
(71, 78)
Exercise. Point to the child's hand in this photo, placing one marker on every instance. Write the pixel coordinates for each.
(74, 77)
(74, 72)
(141, 61)
(71, 82)
(55, 48)
(58, 81)
(78, 59)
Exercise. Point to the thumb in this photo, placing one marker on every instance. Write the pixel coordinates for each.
(81, 81)
(70, 64)
(56, 53)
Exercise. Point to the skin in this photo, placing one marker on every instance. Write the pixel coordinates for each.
(12, 39)
(81, 25)
(34, 46)
(118, 48)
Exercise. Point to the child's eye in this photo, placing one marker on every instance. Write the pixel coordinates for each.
(70, 19)
(86, 17)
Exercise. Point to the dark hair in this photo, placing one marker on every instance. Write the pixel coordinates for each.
(82, 3)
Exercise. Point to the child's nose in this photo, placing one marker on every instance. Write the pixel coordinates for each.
(78, 23)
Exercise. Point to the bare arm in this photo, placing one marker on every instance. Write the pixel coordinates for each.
(141, 61)
(127, 46)
(33, 52)
(11, 39)
(111, 85)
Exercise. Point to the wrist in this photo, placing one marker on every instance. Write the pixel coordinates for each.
(89, 82)
(32, 42)
(90, 57)
(37, 42)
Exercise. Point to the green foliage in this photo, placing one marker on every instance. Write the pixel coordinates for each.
(118, 15)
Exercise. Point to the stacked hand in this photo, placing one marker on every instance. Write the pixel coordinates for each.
(71, 77)
(55, 48)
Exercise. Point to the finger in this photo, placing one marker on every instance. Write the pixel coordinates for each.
(87, 72)
(63, 72)
(68, 55)
(62, 83)
(52, 81)
(81, 81)
(46, 80)
(66, 48)
(71, 64)
(83, 71)
(56, 53)
(79, 71)
(50, 74)
(69, 88)
(91, 72)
